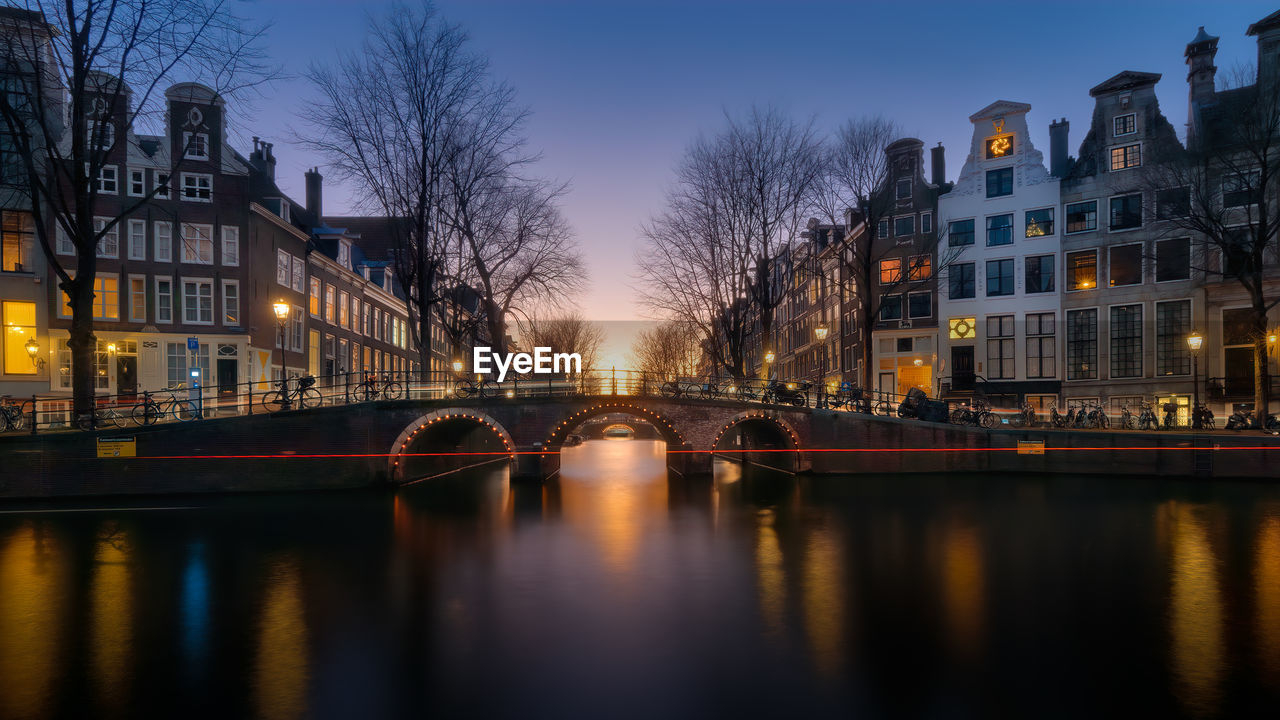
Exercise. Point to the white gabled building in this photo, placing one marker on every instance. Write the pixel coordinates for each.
(998, 301)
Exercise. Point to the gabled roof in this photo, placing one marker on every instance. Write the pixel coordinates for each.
(1266, 23)
(1127, 80)
(999, 108)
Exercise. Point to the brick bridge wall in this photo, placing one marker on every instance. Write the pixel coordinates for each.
(349, 446)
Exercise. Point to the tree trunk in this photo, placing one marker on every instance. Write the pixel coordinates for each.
(1261, 374)
(83, 343)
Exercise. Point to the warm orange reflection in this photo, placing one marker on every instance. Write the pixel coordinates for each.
(614, 490)
(771, 577)
(1266, 590)
(1195, 613)
(32, 599)
(111, 618)
(824, 600)
(963, 586)
(280, 669)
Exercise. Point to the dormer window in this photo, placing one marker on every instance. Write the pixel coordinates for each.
(102, 134)
(196, 146)
(1125, 124)
(344, 254)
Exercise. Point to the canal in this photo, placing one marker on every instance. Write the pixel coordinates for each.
(616, 591)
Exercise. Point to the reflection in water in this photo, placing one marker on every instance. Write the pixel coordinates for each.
(111, 619)
(194, 613)
(1266, 592)
(824, 600)
(32, 587)
(1195, 613)
(771, 577)
(280, 671)
(963, 593)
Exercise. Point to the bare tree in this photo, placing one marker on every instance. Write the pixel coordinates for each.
(386, 121)
(734, 209)
(569, 333)
(103, 64)
(667, 351)
(1224, 191)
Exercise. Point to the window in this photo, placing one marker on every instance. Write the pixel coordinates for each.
(960, 281)
(282, 268)
(106, 298)
(1125, 267)
(1038, 271)
(102, 134)
(164, 300)
(882, 228)
(1082, 216)
(999, 277)
(890, 307)
(1039, 222)
(299, 273)
(344, 254)
(904, 226)
(108, 181)
(999, 182)
(137, 182)
(1126, 156)
(1240, 189)
(364, 325)
(903, 191)
(328, 304)
(17, 241)
(197, 302)
(161, 185)
(137, 239)
(1173, 324)
(343, 318)
(1000, 347)
(960, 232)
(1126, 341)
(1173, 203)
(919, 305)
(230, 245)
(1124, 124)
(1082, 344)
(109, 240)
(164, 241)
(1082, 270)
(1041, 345)
(231, 303)
(19, 327)
(313, 298)
(64, 244)
(1000, 230)
(137, 298)
(355, 314)
(176, 361)
(197, 244)
(919, 267)
(197, 146)
(1173, 259)
(295, 329)
(197, 187)
(1126, 212)
(313, 352)
(890, 271)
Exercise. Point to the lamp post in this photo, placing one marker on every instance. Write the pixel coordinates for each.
(281, 309)
(821, 333)
(1194, 340)
(32, 347)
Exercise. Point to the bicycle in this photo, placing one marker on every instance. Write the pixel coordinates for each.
(1026, 417)
(1147, 418)
(466, 388)
(11, 415)
(374, 387)
(304, 396)
(1056, 419)
(149, 412)
(1126, 418)
(1098, 419)
(103, 417)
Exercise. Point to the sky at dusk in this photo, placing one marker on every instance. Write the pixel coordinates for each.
(619, 89)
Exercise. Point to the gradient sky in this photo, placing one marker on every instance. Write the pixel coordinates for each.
(618, 89)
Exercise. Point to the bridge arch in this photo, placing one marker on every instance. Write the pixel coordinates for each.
(774, 429)
(401, 454)
(673, 437)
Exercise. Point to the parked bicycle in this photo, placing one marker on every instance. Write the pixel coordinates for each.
(375, 387)
(1170, 416)
(978, 414)
(1096, 418)
(150, 411)
(1127, 421)
(1055, 418)
(1202, 417)
(293, 395)
(11, 415)
(107, 416)
(796, 394)
(1026, 416)
(467, 387)
(1147, 417)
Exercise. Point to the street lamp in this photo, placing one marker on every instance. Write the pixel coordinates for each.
(32, 348)
(1194, 341)
(457, 366)
(821, 332)
(281, 309)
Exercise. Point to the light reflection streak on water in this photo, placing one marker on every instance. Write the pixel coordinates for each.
(111, 618)
(1195, 612)
(281, 665)
(32, 592)
(963, 587)
(825, 599)
(1266, 588)
(194, 611)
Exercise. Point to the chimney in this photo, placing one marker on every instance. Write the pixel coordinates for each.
(1200, 68)
(261, 158)
(938, 164)
(315, 194)
(1058, 160)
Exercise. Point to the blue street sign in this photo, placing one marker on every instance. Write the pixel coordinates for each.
(193, 343)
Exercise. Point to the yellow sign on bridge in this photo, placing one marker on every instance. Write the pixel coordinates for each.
(1030, 447)
(117, 447)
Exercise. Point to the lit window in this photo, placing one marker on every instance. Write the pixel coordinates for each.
(920, 267)
(1125, 124)
(1082, 270)
(1126, 156)
(17, 238)
(890, 271)
(1039, 222)
(962, 328)
(19, 327)
(197, 244)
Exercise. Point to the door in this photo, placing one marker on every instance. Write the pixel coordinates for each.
(228, 373)
(127, 374)
(962, 367)
(886, 384)
(1239, 380)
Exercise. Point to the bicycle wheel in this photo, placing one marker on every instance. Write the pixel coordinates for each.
(271, 402)
(464, 388)
(309, 398)
(358, 393)
(16, 419)
(987, 420)
(489, 389)
(957, 417)
(144, 414)
(393, 391)
(884, 408)
(184, 410)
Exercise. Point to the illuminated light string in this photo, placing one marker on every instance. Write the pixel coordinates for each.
(795, 441)
(645, 413)
(401, 453)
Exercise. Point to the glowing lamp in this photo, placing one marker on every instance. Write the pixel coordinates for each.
(918, 362)
(281, 309)
(821, 331)
(457, 366)
(769, 356)
(1194, 341)
(33, 347)
(111, 347)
